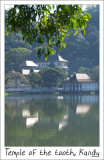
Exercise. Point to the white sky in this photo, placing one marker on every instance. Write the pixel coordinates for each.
(7, 7)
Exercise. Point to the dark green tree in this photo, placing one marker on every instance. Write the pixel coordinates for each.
(95, 73)
(83, 50)
(84, 70)
(35, 79)
(15, 56)
(17, 77)
(52, 76)
(94, 11)
(15, 41)
(46, 23)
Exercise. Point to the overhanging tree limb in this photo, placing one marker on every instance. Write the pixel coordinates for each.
(46, 23)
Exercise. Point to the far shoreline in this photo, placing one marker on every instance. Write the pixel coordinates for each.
(9, 92)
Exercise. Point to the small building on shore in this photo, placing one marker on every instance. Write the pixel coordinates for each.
(80, 82)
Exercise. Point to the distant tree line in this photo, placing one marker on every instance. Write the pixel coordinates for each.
(47, 77)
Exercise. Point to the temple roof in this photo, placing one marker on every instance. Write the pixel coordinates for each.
(28, 64)
(61, 59)
(80, 77)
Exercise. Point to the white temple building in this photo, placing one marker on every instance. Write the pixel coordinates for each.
(29, 66)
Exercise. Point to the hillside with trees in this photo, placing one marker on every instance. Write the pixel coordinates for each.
(82, 51)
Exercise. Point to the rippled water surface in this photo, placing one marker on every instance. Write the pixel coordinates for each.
(52, 120)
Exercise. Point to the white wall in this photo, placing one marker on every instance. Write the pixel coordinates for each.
(43, 64)
(60, 64)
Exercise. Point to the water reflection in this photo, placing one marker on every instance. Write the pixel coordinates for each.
(32, 119)
(83, 109)
(50, 119)
(25, 113)
(82, 98)
(63, 122)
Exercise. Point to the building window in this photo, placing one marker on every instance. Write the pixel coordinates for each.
(58, 64)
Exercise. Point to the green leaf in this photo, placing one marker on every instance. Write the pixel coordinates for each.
(88, 14)
(76, 32)
(60, 47)
(64, 45)
(49, 41)
(84, 31)
(46, 58)
(49, 6)
(6, 33)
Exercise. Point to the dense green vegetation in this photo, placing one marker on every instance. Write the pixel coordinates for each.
(47, 77)
(51, 77)
(35, 79)
(15, 56)
(80, 51)
(17, 77)
(46, 23)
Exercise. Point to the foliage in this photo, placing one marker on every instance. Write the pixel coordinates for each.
(94, 11)
(18, 77)
(80, 50)
(52, 76)
(95, 73)
(47, 77)
(53, 24)
(15, 41)
(83, 50)
(15, 56)
(84, 70)
(35, 79)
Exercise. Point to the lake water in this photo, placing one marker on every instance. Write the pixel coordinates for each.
(52, 120)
